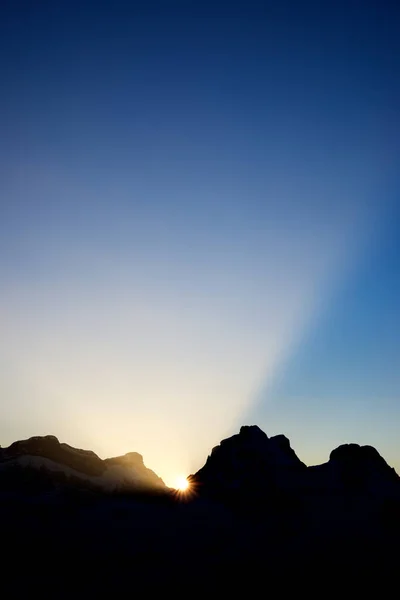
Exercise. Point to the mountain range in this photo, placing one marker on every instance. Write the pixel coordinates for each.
(254, 464)
(253, 514)
(59, 461)
(249, 463)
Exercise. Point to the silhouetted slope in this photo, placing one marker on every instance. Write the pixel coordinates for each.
(252, 460)
(256, 518)
(362, 465)
(84, 461)
(61, 463)
(259, 476)
(249, 466)
(354, 491)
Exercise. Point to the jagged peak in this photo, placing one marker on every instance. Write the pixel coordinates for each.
(126, 459)
(86, 462)
(281, 440)
(247, 433)
(48, 439)
(249, 451)
(252, 431)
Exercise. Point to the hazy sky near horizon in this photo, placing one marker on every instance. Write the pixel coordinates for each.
(199, 225)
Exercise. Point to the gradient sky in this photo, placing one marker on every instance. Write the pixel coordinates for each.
(199, 225)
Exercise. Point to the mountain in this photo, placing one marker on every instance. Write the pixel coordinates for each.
(251, 469)
(250, 464)
(55, 463)
(255, 517)
(355, 468)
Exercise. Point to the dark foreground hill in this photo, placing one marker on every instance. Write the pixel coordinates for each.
(256, 519)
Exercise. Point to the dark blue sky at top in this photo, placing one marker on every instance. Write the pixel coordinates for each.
(173, 148)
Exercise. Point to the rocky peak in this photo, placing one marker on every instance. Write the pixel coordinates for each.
(49, 447)
(132, 462)
(248, 460)
(131, 459)
(357, 454)
(252, 432)
(359, 465)
(128, 469)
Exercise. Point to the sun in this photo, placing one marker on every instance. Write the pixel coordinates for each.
(182, 484)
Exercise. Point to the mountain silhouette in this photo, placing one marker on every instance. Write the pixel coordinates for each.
(249, 464)
(253, 514)
(256, 474)
(57, 461)
(249, 459)
(252, 462)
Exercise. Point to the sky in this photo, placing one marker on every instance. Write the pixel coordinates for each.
(200, 225)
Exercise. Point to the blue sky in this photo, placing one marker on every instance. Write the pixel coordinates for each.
(199, 225)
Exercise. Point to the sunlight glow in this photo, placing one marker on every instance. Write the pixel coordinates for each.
(217, 337)
(182, 484)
